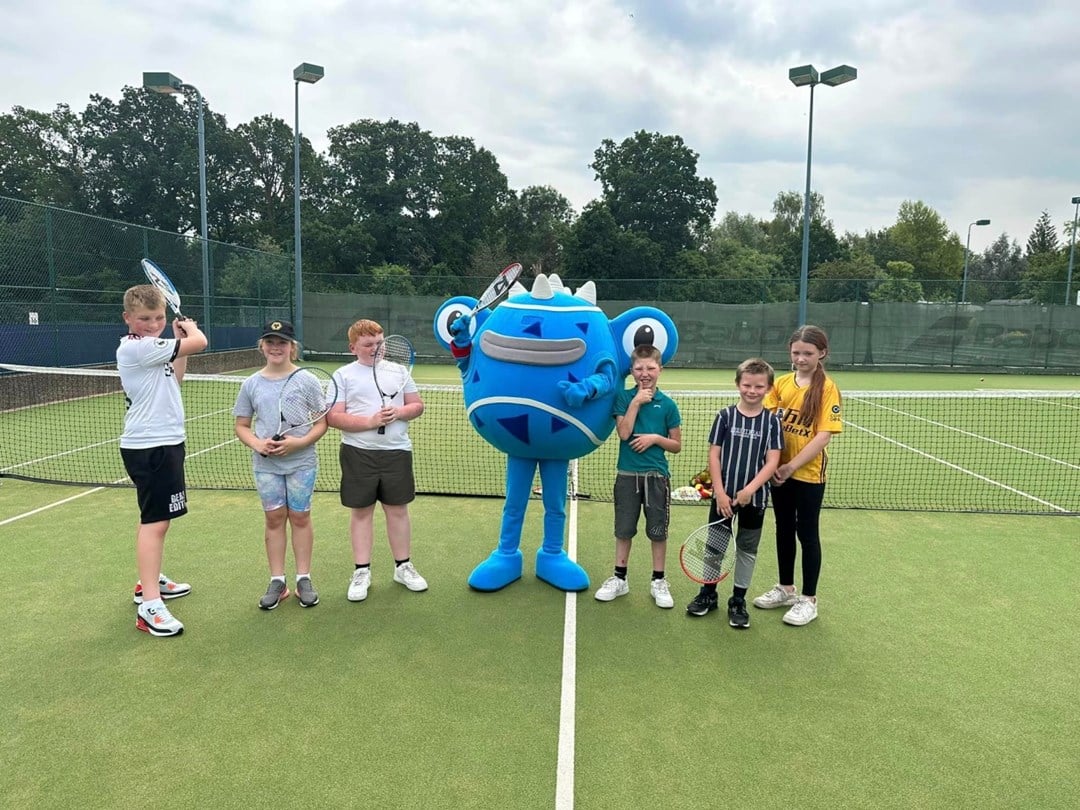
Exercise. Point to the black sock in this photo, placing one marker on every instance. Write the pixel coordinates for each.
(400, 562)
(708, 587)
(739, 593)
(620, 571)
(657, 574)
(365, 565)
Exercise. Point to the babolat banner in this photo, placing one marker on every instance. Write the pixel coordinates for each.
(1022, 337)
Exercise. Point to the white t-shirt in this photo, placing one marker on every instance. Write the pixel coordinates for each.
(155, 411)
(357, 390)
(258, 400)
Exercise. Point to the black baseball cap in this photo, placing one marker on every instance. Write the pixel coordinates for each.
(281, 329)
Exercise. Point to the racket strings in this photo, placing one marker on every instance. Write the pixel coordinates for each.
(707, 555)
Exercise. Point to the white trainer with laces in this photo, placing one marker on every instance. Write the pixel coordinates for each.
(612, 588)
(777, 596)
(168, 588)
(358, 586)
(661, 592)
(407, 575)
(156, 620)
(802, 612)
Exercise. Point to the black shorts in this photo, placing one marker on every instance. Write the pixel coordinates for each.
(158, 475)
(368, 476)
(637, 492)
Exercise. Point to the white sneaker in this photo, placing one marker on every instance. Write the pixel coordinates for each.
(168, 588)
(802, 612)
(661, 593)
(612, 588)
(157, 621)
(778, 596)
(407, 575)
(358, 587)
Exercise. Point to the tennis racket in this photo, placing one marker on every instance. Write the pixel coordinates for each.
(156, 276)
(392, 368)
(708, 555)
(506, 278)
(306, 396)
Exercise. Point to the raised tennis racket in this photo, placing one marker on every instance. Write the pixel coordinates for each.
(708, 555)
(503, 282)
(306, 396)
(156, 276)
(392, 369)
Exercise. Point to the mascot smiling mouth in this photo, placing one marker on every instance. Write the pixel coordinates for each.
(531, 351)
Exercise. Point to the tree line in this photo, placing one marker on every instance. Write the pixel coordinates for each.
(390, 207)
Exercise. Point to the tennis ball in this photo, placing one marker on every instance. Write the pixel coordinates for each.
(982, 379)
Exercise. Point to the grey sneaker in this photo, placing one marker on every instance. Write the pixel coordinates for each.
(775, 597)
(306, 594)
(275, 595)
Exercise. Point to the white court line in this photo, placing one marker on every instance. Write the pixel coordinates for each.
(49, 506)
(97, 489)
(957, 467)
(564, 775)
(969, 434)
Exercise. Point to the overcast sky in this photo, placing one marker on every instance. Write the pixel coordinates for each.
(971, 107)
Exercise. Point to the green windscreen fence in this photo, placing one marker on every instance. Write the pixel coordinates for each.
(961, 336)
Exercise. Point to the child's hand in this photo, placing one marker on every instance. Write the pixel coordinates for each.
(742, 497)
(640, 442)
(644, 395)
(723, 504)
(782, 474)
(178, 329)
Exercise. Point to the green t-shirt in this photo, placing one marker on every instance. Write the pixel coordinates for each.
(658, 416)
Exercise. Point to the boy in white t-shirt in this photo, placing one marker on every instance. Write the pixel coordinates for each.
(152, 444)
(376, 467)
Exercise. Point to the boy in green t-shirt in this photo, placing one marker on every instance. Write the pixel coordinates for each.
(648, 424)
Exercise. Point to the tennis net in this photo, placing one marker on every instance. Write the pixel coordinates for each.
(984, 451)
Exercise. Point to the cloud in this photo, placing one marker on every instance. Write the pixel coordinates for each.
(966, 106)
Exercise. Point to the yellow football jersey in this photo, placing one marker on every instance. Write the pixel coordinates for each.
(786, 400)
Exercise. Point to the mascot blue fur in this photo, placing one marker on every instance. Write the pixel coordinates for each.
(540, 373)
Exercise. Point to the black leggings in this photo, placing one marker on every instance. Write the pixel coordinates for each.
(797, 508)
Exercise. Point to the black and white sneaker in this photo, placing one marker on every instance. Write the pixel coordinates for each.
(703, 603)
(736, 613)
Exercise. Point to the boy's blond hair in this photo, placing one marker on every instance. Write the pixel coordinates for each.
(646, 351)
(755, 365)
(364, 328)
(143, 296)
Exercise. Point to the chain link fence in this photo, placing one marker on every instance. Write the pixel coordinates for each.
(63, 277)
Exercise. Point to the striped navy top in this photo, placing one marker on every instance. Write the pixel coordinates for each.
(744, 441)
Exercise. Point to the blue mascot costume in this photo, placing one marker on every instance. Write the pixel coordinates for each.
(540, 373)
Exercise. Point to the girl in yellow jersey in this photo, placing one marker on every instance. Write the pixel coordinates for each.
(809, 406)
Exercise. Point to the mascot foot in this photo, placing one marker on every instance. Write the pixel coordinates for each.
(557, 569)
(497, 571)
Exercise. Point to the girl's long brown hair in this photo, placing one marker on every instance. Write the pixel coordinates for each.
(815, 336)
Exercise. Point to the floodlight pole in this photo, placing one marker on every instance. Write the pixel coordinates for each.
(309, 74)
(800, 76)
(967, 255)
(1072, 251)
(168, 84)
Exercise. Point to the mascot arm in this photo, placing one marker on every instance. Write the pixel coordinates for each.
(595, 385)
(461, 345)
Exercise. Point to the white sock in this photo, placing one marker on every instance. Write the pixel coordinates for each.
(280, 579)
(302, 576)
(153, 603)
